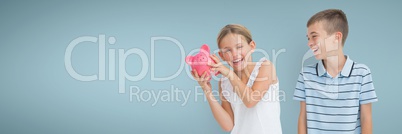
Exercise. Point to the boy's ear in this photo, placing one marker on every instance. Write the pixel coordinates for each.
(338, 36)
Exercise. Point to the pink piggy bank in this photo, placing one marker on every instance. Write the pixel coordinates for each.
(200, 61)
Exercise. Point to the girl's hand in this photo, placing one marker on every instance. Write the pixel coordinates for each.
(203, 80)
(218, 66)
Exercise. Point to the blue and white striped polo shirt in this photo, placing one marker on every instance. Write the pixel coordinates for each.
(333, 104)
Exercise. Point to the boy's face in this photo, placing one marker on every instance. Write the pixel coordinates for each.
(322, 44)
(235, 50)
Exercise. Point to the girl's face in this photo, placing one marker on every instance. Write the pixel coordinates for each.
(236, 51)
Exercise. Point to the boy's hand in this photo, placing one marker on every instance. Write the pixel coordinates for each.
(218, 66)
(203, 80)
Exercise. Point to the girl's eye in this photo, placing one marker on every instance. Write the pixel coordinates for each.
(239, 46)
(226, 51)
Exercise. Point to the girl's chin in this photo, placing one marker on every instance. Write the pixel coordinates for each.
(238, 68)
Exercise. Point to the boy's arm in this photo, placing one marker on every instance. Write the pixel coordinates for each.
(365, 119)
(367, 97)
(302, 125)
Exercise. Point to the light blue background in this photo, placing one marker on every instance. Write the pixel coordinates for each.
(37, 95)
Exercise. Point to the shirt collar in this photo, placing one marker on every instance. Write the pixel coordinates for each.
(346, 71)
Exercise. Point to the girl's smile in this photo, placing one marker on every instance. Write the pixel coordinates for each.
(236, 51)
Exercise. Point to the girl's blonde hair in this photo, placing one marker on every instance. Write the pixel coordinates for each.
(234, 29)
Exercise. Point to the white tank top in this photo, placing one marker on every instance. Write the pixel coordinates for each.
(263, 118)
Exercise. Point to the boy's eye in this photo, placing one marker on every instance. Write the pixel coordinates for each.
(239, 46)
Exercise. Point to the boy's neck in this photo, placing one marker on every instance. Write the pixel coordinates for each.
(334, 64)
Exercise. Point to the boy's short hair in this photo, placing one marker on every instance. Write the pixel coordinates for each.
(334, 20)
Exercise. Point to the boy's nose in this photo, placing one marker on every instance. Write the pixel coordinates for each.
(310, 44)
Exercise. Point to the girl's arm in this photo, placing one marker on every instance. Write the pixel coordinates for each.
(249, 95)
(252, 95)
(223, 114)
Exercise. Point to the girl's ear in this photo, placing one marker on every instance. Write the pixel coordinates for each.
(252, 45)
(221, 55)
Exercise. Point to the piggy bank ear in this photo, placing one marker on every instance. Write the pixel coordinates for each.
(205, 47)
(188, 59)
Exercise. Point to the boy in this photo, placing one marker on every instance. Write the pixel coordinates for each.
(336, 93)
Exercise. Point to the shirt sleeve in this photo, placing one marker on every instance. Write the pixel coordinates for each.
(367, 93)
(299, 93)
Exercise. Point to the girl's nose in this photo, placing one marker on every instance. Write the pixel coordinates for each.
(235, 53)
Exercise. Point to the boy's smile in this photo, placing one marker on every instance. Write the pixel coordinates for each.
(315, 48)
(314, 35)
(322, 44)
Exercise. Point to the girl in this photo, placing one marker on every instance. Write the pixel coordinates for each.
(249, 92)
